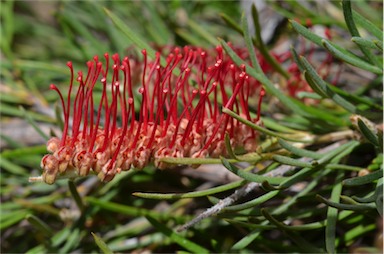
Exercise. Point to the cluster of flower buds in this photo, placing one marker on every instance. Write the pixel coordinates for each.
(152, 109)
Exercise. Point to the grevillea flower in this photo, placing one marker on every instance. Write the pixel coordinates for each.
(179, 112)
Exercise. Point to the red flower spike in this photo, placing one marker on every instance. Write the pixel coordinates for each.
(180, 115)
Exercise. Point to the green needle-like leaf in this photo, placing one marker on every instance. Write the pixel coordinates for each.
(356, 181)
(102, 245)
(359, 207)
(299, 151)
(135, 38)
(202, 32)
(40, 225)
(293, 162)
(367, 132)
(231, 23)
(300, 241)
(261, 46)
(321, 86)
(250, 176)
(368, 25)
(257, 201)
(249, 43)
(193, 194)
(177, 238)
(330, 229)
(301, 137)
(364, 42)
(130, 210)
(76, 196)
(354, 32)
(353, 60)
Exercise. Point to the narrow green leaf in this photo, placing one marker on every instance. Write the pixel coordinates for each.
(303, 8)
(334, 49)
(315, 87)
(157, 24)
(14, 111)
(130, 210)
(39, 224)
(188, 37)
(353, 60)
(228, 146)
(304, 227)
(250, 204)
(249, 43)
(177, 238)
(368, 25)
(23, 151)
(250, 176)
(379, 197)
(61, 236)
(321, 86)
(15, 218)
(293, 162)
(330, 229)
(73, 240)
(193, 194)
(248, 239)
(285, 207)
(94, 45)
(306, 33)
(296, 58)
(273, 125)
(130, 34)
(368, 199)
(102, 245)
(300, 241)
(269, 187)
(346, 206)
(135, 38)
(191, 161)
(356, 181)
(367, 132)
(299, 151)
(231, 23)
(11, 167)
(261, 46)
(354, 32)
(76, 196)
(339, 152)
(364, 42)
(11, 143)
(355, 98)
(326, 158)
(37, 65)
(309, 95)
(301, 137)
(202, 32)
(343, 167)
(7, 28)
(379, 44)
(33, 123)
(318, 115)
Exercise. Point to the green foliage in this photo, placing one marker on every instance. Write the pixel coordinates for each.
(314, 184)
